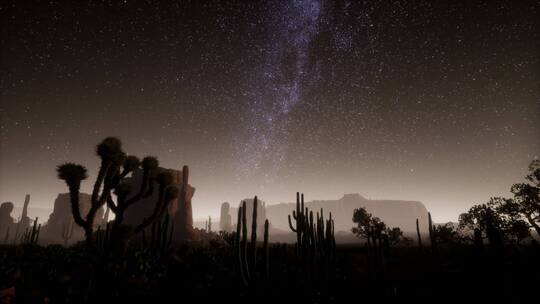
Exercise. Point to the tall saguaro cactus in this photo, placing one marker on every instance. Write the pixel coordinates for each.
(253, 244)
(25, 220)
(418, 233)
(314, 239)
(432, 237)
(31, 235)
(184, 215)
(247, 253)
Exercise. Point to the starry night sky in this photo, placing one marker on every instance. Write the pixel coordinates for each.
(437, 101)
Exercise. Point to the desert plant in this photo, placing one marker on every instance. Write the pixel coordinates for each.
(31, 235)
(161, 234)
(246, 254)
(315, 240)
(103, 237)
(432, 236)
(418, 233)
(266, 250)
(115, 166)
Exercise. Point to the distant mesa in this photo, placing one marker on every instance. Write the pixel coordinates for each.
(395, 213)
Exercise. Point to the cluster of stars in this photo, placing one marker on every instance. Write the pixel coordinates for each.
(272, 96)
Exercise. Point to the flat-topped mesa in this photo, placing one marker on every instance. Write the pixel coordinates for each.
(61, 216)
(395, 213)
(180, 208)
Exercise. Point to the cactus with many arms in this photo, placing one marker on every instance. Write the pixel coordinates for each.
(115, 166)
(315, 239)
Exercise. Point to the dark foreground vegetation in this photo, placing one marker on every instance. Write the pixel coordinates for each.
(490, 255)
(209, 271)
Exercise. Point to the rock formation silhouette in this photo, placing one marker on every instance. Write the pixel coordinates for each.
(53, 230)
(10, 230)
(225, 218)
(395, 213)
(25, 220)
(7, 223)
(180, 208)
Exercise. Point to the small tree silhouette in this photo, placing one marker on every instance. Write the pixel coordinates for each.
(526, 201)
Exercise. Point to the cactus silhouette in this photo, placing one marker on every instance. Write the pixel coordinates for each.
(247, 253)
(115, 166)
(432, 235)
(25, 220)
(161, 235)
(183, 217)
(418, 233)
(315, 240)
(266, 250)
(31, 235)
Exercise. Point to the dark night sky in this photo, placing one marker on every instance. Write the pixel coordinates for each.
(437, 101)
